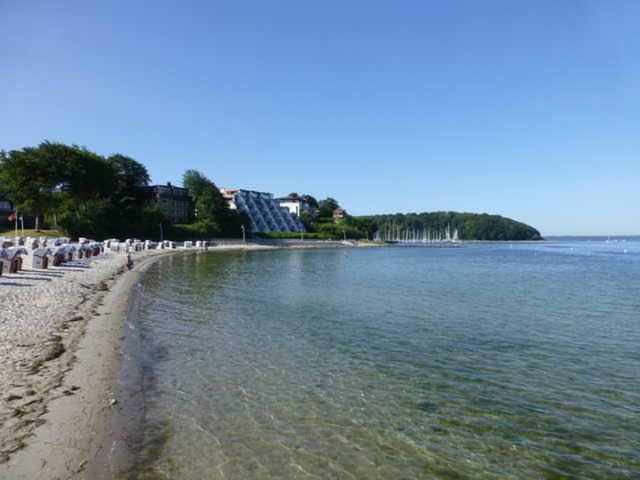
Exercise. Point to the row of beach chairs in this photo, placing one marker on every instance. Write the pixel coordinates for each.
(136, 245)
(11, 257)
(56, 251)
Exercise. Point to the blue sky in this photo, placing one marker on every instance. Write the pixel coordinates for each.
(525, 109)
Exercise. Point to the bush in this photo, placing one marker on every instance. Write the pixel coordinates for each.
(295, 236)
(338, 231)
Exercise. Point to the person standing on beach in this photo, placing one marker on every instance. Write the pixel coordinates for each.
(129, 262)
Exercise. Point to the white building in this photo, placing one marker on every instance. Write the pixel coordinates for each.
(295, 205)
(265, 212)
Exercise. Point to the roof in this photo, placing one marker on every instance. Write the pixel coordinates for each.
(230, 191)
(169, 190)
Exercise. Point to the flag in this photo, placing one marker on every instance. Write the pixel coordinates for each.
(11, 217)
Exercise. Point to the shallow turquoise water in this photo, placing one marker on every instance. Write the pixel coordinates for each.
(488, 361)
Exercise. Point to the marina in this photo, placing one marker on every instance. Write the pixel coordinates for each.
(426, 237)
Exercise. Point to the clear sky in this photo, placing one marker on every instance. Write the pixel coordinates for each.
(526, 109)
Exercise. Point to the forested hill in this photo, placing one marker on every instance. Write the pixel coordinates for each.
(471, 226)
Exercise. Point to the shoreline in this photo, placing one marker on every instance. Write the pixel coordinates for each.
(74, 433)
(74, 418)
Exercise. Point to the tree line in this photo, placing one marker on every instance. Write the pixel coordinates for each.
(470, 226)
(73, 189)
(319, 222)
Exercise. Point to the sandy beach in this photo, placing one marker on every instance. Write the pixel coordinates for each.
(44, 318)
(60, 339)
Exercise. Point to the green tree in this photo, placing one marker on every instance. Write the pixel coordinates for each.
(131, 218)
(313, 203)
(88, 194)
(326, 208)
(470, 226)
(130, 175)
(213, 213)
(196, 182)
(307, 220)
(210, 203)
(28, 181)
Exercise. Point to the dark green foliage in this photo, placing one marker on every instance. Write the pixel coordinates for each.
(214, 218)
(471, 226)
(29, 181)
(130, 175)
(296, 236)
(366, 227)
(78, 190)
(89, 195)
(310, 200)
(194, 231)
(86, 194)
(339, 231)
(326, 208)
(322, 225)
(307, 219)
(196, 183)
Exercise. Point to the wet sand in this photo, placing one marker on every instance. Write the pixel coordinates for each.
(59, 339)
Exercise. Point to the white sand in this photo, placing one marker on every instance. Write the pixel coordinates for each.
(42, 316)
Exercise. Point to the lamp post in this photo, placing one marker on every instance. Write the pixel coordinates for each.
(243, 233)
(22, 223)
(161, 233)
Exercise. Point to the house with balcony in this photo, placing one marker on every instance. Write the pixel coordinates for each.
(295, 205)
(338, 214)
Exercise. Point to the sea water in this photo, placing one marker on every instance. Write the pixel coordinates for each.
(491, 361)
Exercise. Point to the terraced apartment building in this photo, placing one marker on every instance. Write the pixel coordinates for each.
(265, 212)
